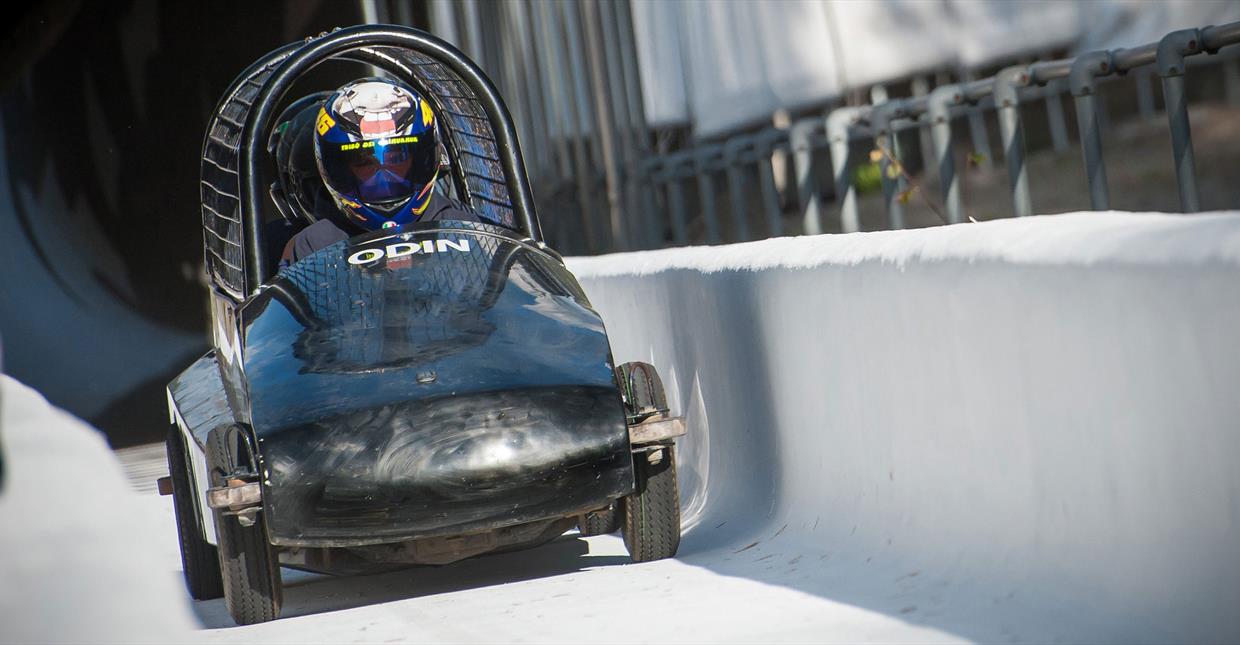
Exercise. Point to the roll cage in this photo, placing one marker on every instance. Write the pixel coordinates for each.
(487, 172)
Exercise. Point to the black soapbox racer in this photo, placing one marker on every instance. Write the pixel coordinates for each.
(411, 396)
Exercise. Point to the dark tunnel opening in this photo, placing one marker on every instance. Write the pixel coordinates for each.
(104, 107)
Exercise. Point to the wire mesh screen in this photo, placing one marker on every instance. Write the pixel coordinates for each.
(220, 186)
(467, 132)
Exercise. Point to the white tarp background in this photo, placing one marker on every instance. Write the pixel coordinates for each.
(723, 65)
(1126, 23)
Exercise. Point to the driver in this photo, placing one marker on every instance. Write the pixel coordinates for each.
(377, 152)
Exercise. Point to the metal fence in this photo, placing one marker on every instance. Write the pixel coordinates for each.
(935, 111)
(569, 74)
(606, 181)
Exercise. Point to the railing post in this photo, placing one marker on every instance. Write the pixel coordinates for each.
(703, 165)
(650, 170)
(1054, 117)
(734, 165)
(1145, 95)
(763, 147)
(978, 133)
(800, 140)
(676, 198)
(1007, 99)
(1231, 80)
(1171, 51)
(920, 87)
(838, 123)
(889, 164)
(939, 110)
(1085, 69)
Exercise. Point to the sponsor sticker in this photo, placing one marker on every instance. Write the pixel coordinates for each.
(325, 122)
(404, 249)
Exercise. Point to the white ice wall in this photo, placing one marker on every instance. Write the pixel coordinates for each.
(76, 546)
(1037, 418)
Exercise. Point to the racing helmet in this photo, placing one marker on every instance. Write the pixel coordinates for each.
(298, 191)
(377, 151)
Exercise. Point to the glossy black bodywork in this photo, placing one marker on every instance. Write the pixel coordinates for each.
(463, 385)
(435, 392)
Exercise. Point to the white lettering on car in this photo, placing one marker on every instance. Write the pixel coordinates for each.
(459, 245)
(365, 256)
(401, 249)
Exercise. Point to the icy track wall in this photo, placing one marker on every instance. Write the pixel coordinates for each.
(1037, 415)
(77, 564)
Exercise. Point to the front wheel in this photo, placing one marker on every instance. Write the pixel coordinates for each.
(199, 559)
(248, 563)
(251, 573)
(651, 525)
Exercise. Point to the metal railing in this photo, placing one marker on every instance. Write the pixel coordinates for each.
(1004, 92)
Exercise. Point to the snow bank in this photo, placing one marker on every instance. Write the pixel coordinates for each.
(76, 563)
(1034, 420)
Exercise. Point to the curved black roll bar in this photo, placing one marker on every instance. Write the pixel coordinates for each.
(339, 44)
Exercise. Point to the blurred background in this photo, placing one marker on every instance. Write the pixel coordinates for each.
(644, 124)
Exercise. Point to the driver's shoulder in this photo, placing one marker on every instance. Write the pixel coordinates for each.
(444, 207)
(316, 236)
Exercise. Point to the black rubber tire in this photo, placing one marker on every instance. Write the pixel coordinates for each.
(600, 522)
(200, 560)
(652, 514)
(641, 390)
(250, 569)
(252, 588)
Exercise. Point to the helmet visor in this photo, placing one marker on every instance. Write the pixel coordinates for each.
(379, 170)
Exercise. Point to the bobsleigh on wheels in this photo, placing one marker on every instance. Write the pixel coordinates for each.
(410, 396)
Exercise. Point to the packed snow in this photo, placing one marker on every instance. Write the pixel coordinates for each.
(79, 547)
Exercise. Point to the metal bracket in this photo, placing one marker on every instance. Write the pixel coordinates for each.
(1174, 47)
(940, 102)
(1008, 83)
(236, 496)
(659, 430)
(1086, 68)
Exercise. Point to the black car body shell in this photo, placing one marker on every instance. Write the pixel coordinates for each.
(441, 379)
(451, 379)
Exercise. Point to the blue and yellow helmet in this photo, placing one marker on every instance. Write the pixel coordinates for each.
(376, 148)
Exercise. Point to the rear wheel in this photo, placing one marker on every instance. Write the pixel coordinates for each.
(199, 558)
(652, 514)
(248, 563)
(600, 522)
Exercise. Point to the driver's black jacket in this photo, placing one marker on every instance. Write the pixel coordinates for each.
(325, 231)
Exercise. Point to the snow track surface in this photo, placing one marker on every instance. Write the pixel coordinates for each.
(1014, 431)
